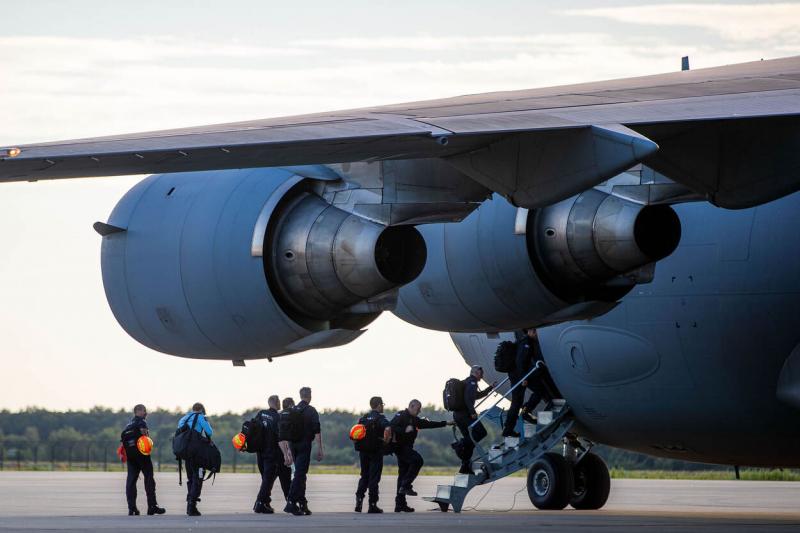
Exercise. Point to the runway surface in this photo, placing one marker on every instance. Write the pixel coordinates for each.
(94, 501)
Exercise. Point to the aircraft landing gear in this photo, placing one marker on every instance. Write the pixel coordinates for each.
(591, 482)
(550, 482)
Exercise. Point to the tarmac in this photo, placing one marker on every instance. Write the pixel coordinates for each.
(81, 501)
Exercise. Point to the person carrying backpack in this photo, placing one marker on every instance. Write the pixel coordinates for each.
(269, 456)
(405, 426)
(195, 420)
(370, 454)
(528, 353)
(298, 428)
(139, 463)
(465, 414)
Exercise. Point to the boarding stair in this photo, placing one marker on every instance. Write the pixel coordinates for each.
(553, 424)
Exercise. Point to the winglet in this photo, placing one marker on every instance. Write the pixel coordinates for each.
(104, 229)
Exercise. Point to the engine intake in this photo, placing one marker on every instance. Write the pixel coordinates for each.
(496, 271)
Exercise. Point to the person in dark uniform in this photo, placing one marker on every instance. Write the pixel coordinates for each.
(405, 426)
(194, 481)
(139, 463)
(370, 455)
(463, 418)
(528, 354)
(270, 460)
(297, 504)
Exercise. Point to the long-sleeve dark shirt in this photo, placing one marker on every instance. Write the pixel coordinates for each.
(311, 426)
(528, 354)
(472, 393)
(403, 420)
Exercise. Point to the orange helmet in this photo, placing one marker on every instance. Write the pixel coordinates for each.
(145, 445)
(358, 432)
(239, 441)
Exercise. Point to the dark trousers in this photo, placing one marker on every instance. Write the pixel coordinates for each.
(301, 452)
(271, 467)
(409, 463)
(517, 399)
(466, 445)
(371, 470)
(194, 483)
(138, 463)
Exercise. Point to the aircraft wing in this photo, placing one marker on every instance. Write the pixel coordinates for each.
(731, 133)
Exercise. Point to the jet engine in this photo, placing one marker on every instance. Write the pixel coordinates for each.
(245, 264)
(505, 268)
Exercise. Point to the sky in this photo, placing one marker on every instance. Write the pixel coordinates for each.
(77, 69)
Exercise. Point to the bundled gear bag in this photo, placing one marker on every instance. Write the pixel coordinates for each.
(453, 395)
(505, 357)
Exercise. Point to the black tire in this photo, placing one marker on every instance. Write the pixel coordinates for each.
(550, 482)
(591, 483)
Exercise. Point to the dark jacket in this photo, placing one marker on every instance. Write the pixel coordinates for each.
(528, 354)
(378, 419)
(270, 437)
(135, 429)
(402, 420)
(311, 425)
(472, 393)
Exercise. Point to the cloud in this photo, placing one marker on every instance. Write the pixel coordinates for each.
(737, 22)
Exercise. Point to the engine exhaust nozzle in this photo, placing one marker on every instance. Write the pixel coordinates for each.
(595, 237)
(325, 259)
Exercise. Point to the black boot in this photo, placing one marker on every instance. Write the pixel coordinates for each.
(155, 509)
(403, 508)
(407, 491)
(304, 509)
(263, 508)
(292, 508)
(191, 509)
(374, 509)
(359, 503)
(133, 512)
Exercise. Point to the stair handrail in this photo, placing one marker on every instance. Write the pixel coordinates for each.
(539, 366)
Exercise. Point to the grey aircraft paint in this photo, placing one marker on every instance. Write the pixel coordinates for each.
(689, 366)
(689, 352)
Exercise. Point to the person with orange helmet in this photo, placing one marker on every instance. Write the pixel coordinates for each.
(136, 441)
(370, 448)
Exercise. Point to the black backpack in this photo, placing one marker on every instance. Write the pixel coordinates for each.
(129, 436)
(255, 432)
(505, 357)
(453, 395)
(290, 424)
(183, 438)
(373, 439)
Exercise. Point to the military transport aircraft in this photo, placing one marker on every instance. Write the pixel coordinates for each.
(649, 226)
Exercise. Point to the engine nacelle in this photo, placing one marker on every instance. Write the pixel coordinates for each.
(245, 264)
(503, 268)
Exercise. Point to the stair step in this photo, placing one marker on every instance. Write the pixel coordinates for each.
(511, 442)
(461, 480)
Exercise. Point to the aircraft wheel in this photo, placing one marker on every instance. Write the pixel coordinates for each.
(591, 483)
(550, 482)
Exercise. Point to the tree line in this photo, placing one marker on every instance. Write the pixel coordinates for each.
(30, 429)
